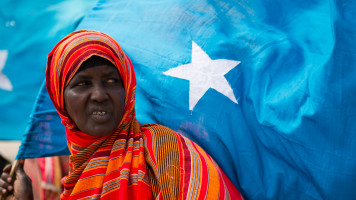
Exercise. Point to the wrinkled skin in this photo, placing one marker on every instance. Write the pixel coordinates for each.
(95, 99)
(20, 188)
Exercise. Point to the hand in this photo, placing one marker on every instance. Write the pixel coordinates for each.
(18, 189)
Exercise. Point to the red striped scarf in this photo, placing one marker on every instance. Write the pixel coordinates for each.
(134, 162)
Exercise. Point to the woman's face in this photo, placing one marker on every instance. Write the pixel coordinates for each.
(94, 100)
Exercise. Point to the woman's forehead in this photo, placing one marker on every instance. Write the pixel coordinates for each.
(94, 61)
(102, 70)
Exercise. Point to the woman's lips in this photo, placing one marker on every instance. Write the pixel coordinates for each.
(99, 113)
(100, 116)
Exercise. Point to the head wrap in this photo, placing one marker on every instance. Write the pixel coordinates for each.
(134, 162)
(65, 60)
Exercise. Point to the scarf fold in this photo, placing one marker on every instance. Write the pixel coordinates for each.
(134, 162)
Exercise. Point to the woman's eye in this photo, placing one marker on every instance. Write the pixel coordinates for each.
(111, 80)
(83, 83)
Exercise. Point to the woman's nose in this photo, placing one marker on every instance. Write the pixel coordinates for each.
(99, 93)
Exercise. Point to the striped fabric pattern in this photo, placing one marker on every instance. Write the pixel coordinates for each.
(134, 162)
(180, 169)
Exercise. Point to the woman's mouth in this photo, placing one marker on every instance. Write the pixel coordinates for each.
(100, 116)
(99, 113)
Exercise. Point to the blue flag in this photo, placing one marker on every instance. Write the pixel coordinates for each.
(266, 88)
(28, 31)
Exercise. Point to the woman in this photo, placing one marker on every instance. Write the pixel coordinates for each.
(92, 84)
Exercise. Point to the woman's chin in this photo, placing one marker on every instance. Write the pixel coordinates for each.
(100, 131)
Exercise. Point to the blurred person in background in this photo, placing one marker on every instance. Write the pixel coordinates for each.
(46, 174)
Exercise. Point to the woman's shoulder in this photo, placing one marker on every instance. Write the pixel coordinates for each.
(156, 127)
(163, 140)
(157, 131)
(174, 157)
(164, 136)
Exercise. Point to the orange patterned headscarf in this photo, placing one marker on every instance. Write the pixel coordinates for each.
(67, 57)
(134, 162)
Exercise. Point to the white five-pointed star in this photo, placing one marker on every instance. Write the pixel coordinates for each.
(204, 73)
(4, 81)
